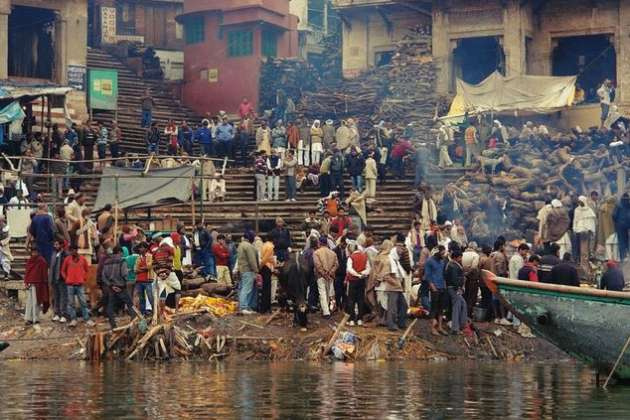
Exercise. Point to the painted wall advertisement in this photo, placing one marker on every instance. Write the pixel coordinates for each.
(103, 89)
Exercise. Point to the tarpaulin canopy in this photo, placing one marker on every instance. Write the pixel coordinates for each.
(498, 93)
(15, 90)
(135, 190)
(11, 112)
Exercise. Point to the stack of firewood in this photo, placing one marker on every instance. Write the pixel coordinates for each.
(532, 172)
(292, 76)
(401, 92)
(410, 96)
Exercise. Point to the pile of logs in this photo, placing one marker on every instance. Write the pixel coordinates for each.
(293, 76)
(164, 340)
(532, 172)
(410, 96)
(401, 92)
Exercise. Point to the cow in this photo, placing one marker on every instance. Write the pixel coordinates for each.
(293, 279)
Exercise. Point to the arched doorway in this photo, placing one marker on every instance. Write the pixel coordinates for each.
(475, 59)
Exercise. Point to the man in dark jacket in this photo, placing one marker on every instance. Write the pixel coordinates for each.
(613, 277)
(184, 138)
(565, 273)
(529, 272)
(60, 291)
(202, 244)
(454, 278)
(153, 139)
(621, 217)
(311, 280)
(337, 167)
(547, 262)
(356, 164)
(203, 136)
(114, 277)
(281, 238)
(340, 275)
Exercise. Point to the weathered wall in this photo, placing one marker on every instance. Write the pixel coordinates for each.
(515, 21)
(71, 30)
(299, 8)
(172, 63)
(237, 76)
(155, 24)
(368, 34)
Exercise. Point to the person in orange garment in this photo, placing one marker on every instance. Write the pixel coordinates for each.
(222, 256)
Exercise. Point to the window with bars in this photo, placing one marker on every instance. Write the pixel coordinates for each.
(240, 43)
(269, 43)
(194, 30)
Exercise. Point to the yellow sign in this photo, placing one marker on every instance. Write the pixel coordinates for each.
(213, 75)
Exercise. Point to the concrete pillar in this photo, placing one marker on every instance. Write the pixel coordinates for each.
(5, 10)
(441, 51)
(61, 53)
(622, 46)
(513, 39)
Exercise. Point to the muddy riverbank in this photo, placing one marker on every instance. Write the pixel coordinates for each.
(261, 337)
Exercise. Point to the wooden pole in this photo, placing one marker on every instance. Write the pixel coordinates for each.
(116, 209)
(48, 123)
(257, 217)
(192, 183)
(402, 340)
(43, 99)
(330, 343)
(623, 351)
(202, 184)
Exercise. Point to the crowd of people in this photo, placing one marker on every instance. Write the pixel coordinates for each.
(344, 265)
(432, 269)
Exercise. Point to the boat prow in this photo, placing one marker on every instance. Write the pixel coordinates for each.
(589, 324)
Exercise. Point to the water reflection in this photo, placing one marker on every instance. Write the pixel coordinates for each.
(299, 390)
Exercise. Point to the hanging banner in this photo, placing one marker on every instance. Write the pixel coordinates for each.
(103, 89)
(108, 25)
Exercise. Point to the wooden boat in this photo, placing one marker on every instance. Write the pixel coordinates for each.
(589, 324)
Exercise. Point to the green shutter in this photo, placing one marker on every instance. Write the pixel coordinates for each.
(194, 30)
(269, 43)
(240, 43)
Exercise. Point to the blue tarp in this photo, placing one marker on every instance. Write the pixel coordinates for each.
(11, 112)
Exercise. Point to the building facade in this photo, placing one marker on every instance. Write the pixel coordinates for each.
(150, 23)
(225, 43)
(316, 20)
(371, 29)
(591, 39)
(45, 41)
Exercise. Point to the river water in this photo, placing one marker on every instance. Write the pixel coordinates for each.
(303, 390)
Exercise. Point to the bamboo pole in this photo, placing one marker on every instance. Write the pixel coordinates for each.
(623, 351)
(116, 204)
(401, 341)
(147, 165)
(330, 343)
(202, 184)
(192, 183)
